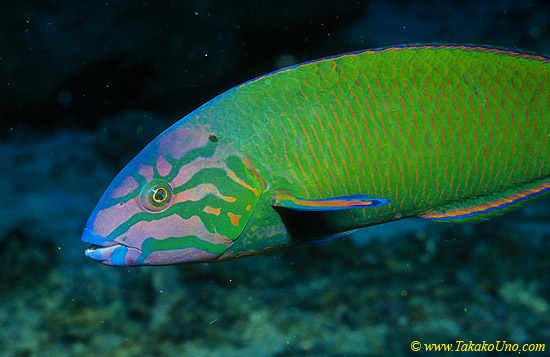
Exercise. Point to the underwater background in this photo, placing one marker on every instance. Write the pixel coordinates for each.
(85, 85)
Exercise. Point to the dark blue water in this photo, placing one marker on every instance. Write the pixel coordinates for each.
(85, 85)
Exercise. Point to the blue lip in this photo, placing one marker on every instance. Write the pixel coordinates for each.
(102, 254)
(107, 252)
(90, 237)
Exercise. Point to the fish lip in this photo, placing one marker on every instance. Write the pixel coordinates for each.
(95, 251)
(101, 248)
(97, 241)
(89, 236)
(97, 247)
(102, 254)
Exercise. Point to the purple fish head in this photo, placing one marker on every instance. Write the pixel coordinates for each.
(185, 198)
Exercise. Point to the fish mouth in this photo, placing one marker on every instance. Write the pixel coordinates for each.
(108, 252)
(101, 254)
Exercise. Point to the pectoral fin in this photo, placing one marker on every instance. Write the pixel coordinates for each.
(328, 238)
(286, 199)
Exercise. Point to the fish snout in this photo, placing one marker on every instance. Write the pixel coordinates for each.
(109, 252)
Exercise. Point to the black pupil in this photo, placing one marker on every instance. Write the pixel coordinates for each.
(159, 195)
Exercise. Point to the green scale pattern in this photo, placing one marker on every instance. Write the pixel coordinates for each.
(423, 127)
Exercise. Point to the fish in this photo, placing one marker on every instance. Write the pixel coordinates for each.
(319, 150)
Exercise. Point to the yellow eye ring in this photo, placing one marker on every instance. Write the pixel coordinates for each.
(156, 196)
(159, 195)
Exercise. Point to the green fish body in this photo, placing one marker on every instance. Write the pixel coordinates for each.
(321, 149)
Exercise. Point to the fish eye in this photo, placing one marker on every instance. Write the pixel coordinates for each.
(156, 196)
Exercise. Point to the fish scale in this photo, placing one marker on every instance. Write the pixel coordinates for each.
(435, 133)
(320, 149)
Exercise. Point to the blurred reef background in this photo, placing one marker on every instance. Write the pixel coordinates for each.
(84, 85)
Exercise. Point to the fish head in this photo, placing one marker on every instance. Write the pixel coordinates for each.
(184, 198)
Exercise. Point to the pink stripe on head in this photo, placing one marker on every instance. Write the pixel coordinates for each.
(146, 171)
(163, 257)
(199, 192)
(170, 226)
(163, 166)
(131, 256)
(128, 185)
(187, 171)
(181, 140)
(108, 219)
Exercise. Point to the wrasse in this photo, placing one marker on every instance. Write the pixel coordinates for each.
(327, 147)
